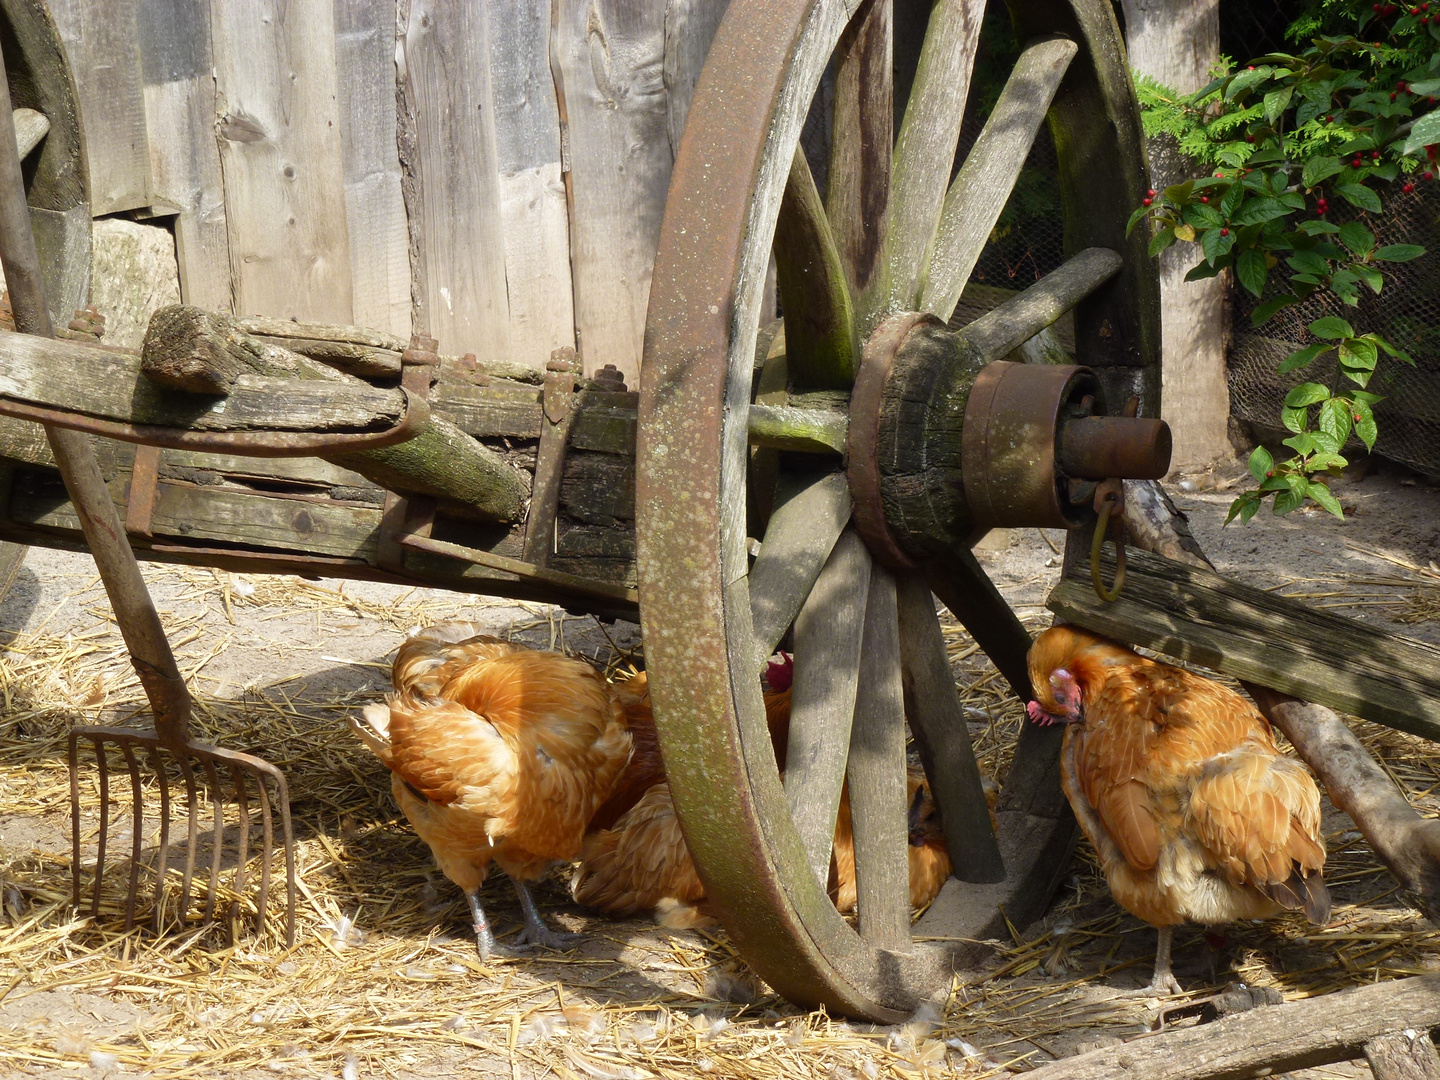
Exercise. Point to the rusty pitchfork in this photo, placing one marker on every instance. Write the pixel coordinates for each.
(144, 636)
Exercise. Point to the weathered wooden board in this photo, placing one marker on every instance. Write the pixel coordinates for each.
(1262, 638)
(178, 68)
(456, 233)
(102, 44)
(281, 158)
(690, 27)
(374, 208)
(533, 208)
(609, 65)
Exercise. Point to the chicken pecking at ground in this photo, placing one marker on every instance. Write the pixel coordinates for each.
(634, 858)
(497, 753)
(1195, 813)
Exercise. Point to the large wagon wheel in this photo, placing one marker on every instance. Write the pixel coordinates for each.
(938, 446)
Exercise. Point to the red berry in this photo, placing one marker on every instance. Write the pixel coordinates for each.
(1355, 163)
(1146, 202)
(1250, 68)
(1249, 138)
(1375, 155)
(1407, 187)
(1424, 7)
(1150, 193)
(1357, 418)
(1414, 11)
(1427, 175)
(1375, 7)
(1392, 97)
(1329, 119)
(1224, 232)
(1400, 86)
(1205, 198)
(1269, 473)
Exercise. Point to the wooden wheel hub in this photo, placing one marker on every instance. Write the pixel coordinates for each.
(942, 443)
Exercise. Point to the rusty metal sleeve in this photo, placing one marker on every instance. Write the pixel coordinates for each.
(134, 612)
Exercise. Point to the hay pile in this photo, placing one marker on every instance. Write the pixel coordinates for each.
(384, 979)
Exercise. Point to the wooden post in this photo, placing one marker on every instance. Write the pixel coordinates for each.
(1177, 42)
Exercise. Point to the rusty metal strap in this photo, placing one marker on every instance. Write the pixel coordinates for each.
(248, 443)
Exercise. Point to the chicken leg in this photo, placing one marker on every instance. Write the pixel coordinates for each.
(484, 937)
(535, 932)
(1163, 982)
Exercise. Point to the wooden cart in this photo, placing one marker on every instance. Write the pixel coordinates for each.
(813, 484)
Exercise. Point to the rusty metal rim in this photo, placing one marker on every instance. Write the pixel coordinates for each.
(862, 449)
(278, 444)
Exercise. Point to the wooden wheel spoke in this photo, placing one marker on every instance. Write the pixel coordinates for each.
(820, 346)
(877, 775)
(798, 541)
(938, 723)
(999, 331)
(858, 186)
(810, 431)
(828, 634)
(925, 151)
(980, 192)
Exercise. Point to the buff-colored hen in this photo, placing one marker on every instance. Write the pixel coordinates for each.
(497, 753)
(635, 859)
(1177, 781)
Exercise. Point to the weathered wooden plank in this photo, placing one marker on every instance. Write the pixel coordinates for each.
(30, 128)
(858, 179)
(608, 61)
(598, 488)
(1016, 321)
(690, 27)
(876, 773)
(828, 635)
(281, 158)
(938, 723)
(925, 150)
(533, 208)
(180, 112)
(459, 230)
(979, 193)
(1267, 1041)
(821, 350)
(103, 45)
(1263, 638)
(108, 384)
(606, 421)
(374, 208)
(1403, 1055)
(798, 540)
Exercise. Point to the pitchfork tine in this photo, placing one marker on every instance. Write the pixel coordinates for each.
(243, 847)
(217, 843)
(163, 856)
(192, 837)
(137, 827)
(74, 759)
(269, 828)
(104, 771)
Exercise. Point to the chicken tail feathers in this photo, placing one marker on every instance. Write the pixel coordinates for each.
(1302, 892)
(374, 730)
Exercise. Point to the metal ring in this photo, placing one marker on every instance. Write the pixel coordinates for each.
(247, 443)
(1113, 593)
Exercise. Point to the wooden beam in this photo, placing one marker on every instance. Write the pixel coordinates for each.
(1003, 329)
(812, 431)
(1263, 638)
(1267, 1041)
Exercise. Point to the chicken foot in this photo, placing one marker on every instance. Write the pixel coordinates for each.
(484, 936)
(1163, 982)
(535, 932)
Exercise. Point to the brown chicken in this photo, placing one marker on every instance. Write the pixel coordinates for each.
(1176, 780)
(635, 859)
(497, 753)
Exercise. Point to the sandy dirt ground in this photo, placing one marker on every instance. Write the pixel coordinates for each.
(384, 981)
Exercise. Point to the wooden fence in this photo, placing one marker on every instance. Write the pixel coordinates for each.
(492, 172)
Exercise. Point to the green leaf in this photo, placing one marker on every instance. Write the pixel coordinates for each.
(1357, 238)
(1244, 82)
(1204, 270)
(1251, 271)
(1261, 462)
(1302, 443)
(1359, 195)
(1295, 418)
(1319, 168)
(1302, 357)
(1276, 102)
(1425, 132)
(1370, 276)
(1276, 483)
(1426, 88)
(1232, 200)
(1265, 208)
(1249, 510)
(1335, 422)
(1317, 227)
(1202, 216)
(1306, 394)
(1135, 218)
(1161, 240)
(1307, 262)
(1322, 461)
(1357, 354)
(1363, 397)
(1399, 252)
(1180, 193)
(1214, 245)
(1262, 313)
(1365, 427)
(1391, 349)
(1245, 506)
(1331, 328)
(1321, 494)
(1287, 501)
